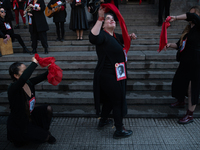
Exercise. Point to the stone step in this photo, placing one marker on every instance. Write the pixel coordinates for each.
(88, 74)
(87, 85)
(86, 97)
(168, 55)
(135, 111)
(88, 65)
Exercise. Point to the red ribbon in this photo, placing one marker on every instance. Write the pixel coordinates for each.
(163, 35)
(55, 73)
(125, 35)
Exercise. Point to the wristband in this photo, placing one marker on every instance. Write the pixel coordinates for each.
(101, 18)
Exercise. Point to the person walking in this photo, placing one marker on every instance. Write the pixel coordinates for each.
(186, 81)
(108, 88)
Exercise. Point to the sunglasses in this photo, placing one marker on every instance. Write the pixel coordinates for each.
(3, 11)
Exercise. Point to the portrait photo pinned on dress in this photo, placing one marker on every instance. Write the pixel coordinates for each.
(120, 71)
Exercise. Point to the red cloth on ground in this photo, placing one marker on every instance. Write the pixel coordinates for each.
(125, 35)
(55, 73)
(163, 35)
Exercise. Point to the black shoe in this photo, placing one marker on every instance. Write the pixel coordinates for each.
(33, 51)
(51, 140)
(62, 39)
(16, 26)
(103, 122)
(122, 134)
(46, 51)
(25, 50)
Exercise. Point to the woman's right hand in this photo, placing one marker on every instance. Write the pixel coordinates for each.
(167, 46)
(101, 12)
(34, 60)
(173, 18)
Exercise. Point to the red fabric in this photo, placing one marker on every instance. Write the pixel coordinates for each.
(163, 35)
(125, 35)
(55, 73)
(62, 8)
(17, 16)
(140, 1)
(15, 2)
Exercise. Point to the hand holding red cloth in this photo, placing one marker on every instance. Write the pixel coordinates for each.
(163, 35)
(55, 73)
(125, 35)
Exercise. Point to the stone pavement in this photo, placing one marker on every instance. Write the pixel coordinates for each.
(82, 134)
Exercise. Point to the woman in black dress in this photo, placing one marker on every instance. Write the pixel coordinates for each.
(38, 24)
(106, 87)
(59, 18)
(26, 122)
(78, 19)
(187, 78)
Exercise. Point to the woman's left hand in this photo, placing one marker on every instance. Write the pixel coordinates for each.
(133, 36)
(173, 18)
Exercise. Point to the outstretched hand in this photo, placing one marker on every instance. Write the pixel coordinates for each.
(34, 60)
(133, 36)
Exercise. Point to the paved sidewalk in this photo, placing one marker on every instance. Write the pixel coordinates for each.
(82, 134)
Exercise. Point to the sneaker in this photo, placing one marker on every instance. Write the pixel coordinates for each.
(122, 134)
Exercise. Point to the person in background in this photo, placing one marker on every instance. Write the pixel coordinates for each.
(186, 81)
(164, 5)
(78, 19)
(6, 31)
(37, 24)
(18, 7)
(59, 18)
(26, 122)
(107, 88)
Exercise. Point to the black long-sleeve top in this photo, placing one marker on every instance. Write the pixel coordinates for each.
(192, 46)
(17, 97)
(109, 50)
(3, 30)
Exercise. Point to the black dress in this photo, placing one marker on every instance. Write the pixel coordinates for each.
(78, 19)
(106, 88)
(189, 67)
(23, 126)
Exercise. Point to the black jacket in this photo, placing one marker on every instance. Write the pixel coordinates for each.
(39, 18)
(8, 7)
(3, 30)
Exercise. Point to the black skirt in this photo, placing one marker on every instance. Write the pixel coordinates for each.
(78, 20)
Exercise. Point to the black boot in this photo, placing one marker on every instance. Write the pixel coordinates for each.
(104, 122)
(33, 51)
(46, 51)
(122, 133)
(25, 50)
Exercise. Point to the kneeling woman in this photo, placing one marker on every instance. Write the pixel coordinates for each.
(26, 122)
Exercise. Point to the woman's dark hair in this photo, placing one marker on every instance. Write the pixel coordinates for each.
(14, 69)
(188, 27)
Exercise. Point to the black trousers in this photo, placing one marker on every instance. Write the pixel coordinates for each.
(39, 35)
(112, 97)
(60, 25)
(163, 5)
(18, 37)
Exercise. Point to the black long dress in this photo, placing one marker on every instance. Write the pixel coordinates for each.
(23, 126)
(106, 88)
(189, 67)
(78, 19)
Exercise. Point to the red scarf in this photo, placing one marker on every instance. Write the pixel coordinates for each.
(55, 73)
(163, 35)
(140, 1)
(125, 35)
